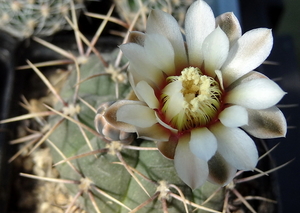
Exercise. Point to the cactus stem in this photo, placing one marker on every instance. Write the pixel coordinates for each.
(145, 203)
(85, 185)
(131, 173)
(139, 173)
(63, 156)
(110, 197)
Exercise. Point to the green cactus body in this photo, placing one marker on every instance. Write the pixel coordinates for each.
(104, 172)
(24, 18)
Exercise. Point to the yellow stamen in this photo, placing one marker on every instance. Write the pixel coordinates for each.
(201, 95)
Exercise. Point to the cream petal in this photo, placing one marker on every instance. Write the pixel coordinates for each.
(161, 122)
(236, 147)
(267, 123)
(220, 78)
(155, 132)
(220, 172)
(230, 25)
(135, 76)
(136, 115)
(160, 51)
(199, 23)
(136, 37)
(172, 88)
(245, 78)
(165, 24)
(256, 94)
(215, 49)
(111, 117)
(234, 116)
(247, 53)
(174, 105)
(146, 92)
(192, 170)
(133, 80)
(140, 63)
(203, 143)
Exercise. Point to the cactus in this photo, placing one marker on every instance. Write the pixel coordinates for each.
(117, 180)
(23, 18)
(103, 171)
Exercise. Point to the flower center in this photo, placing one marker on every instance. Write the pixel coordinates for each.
(198, 99)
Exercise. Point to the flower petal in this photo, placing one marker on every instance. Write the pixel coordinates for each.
(236, 147)
(220, 172)
(267, 123)
(165, 24)
(140, 63)
(247, 53)
(155, 132)
(174, 103)
(230, 25)
(146, 92)
(234, 116)
(256, 94)
(136, 115)
(192, 170)
(199, 23)
(111, 117)
(161, 122)
(203, 143)
(136, 37)
(160, 51)
(245, 78)
(167, 148)
(215, 50)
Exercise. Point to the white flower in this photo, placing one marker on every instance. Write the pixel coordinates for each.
(196, 96)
